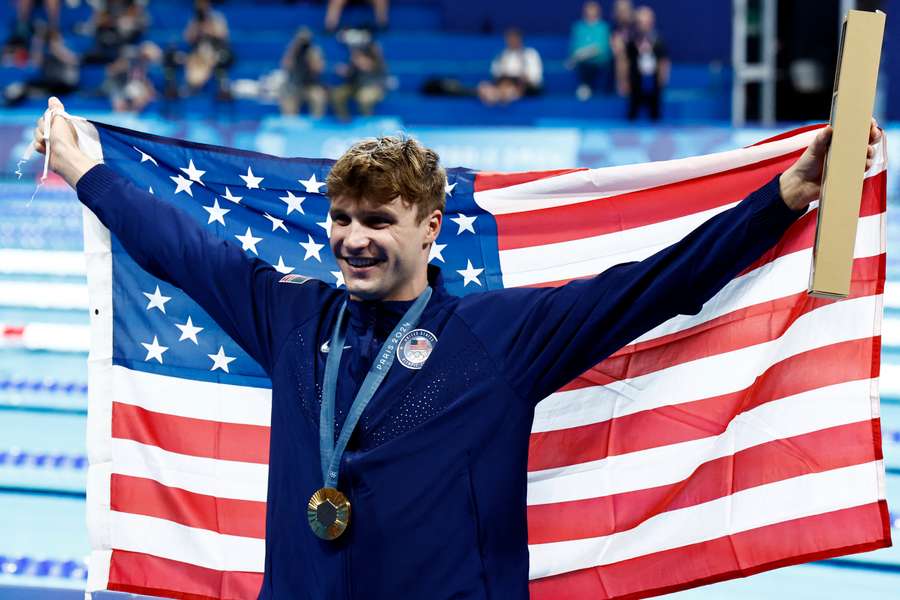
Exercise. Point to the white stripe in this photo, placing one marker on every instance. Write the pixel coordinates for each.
(209, 401)
(209, 476)
(664, 465)
(804, 496)
(210, 549)
(591, 184)
(785, 276)
(708, 376)
(29, 294)
(585, 257)
(44, 262)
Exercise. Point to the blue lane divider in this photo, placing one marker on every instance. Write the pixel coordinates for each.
(42, 460)
(43, 386)
(32, 567)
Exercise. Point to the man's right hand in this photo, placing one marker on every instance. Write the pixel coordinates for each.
(66, 158)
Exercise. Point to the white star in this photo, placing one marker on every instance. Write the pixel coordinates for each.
(470, 274)
(154, 350)
(276, 223)
(312, 248)
(151, 190)
(251, 180)
(228, 196)
(326, 225)
(311, 185)
(435, 252)
(248, 242)
(465, 223)
(293, 202)
(193, 173)
(220, 361)
(145, 157)
(283, 268)
(339, 276)
(182, 184)
(157, 300)
(448, 188)
(216, 213)
(189, 331)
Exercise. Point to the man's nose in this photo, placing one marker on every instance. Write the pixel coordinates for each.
(357, 237)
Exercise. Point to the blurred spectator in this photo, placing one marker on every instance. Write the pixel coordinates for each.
(303, 65)
(58, 69)
(210, 49)
(336, 8)
(127, 82)
(365, 77)
(590, 53)
(623, 27)
(115, 24)
(517, 72)
(18, 44)
(648, 65)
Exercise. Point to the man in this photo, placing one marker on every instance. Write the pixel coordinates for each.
(590, 53)
(408, 480)
(648, 65)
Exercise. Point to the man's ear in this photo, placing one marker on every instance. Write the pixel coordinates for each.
(434, 220)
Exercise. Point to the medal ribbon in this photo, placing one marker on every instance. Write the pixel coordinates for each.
(329, 451)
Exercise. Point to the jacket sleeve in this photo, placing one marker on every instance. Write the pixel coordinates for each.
(544, 337)
(239, 293)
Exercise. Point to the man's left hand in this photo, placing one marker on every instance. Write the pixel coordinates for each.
(802, 182)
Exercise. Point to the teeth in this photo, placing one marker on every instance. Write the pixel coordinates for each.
(361, 262)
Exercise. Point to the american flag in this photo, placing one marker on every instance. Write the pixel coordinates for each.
(717, 445)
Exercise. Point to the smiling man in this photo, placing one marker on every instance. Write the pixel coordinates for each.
(401, 414)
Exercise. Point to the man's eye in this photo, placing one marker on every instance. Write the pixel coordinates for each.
(340, 220)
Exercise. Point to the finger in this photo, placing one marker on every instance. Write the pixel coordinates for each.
(54, 103)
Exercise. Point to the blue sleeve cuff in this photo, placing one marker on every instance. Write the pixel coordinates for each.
(95, 183)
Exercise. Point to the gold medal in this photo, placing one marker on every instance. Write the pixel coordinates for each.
(328, 512)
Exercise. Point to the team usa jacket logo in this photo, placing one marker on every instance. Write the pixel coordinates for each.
(415, 347)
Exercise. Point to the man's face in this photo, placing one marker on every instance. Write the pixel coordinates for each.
(382, 250)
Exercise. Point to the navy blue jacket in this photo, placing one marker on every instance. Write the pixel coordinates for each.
(436, 471)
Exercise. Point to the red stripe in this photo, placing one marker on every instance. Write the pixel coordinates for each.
(828, 365)
(150, 498)
(836, 533)
(488, 180)
(154, 576)
(196, 437)
(737, 329)
(816, 452)
(13, 330)
(789, 134)
(634, 209)
(801, 234)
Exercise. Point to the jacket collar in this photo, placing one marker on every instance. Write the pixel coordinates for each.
(383, 315)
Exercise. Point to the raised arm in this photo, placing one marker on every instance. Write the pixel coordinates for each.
(544, 338)
(239, 293)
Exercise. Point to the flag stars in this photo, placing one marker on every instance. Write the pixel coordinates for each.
(312, 248)
(248, 242)
(231, 198)
(146, 157)
(339, 278)
(216, 213)
(283, 268)
(276, 223)
(193, 173)
(448, 188)
(182, 184)
(189, 331)
(326, 225)
(470, 274)
(465, 223)
(311, 185)
(293, 202)
(157, 300)
(154, 350)
(220, 360)
(436, 252)
(251, 180)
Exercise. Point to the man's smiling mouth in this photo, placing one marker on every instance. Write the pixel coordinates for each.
(360, 262)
